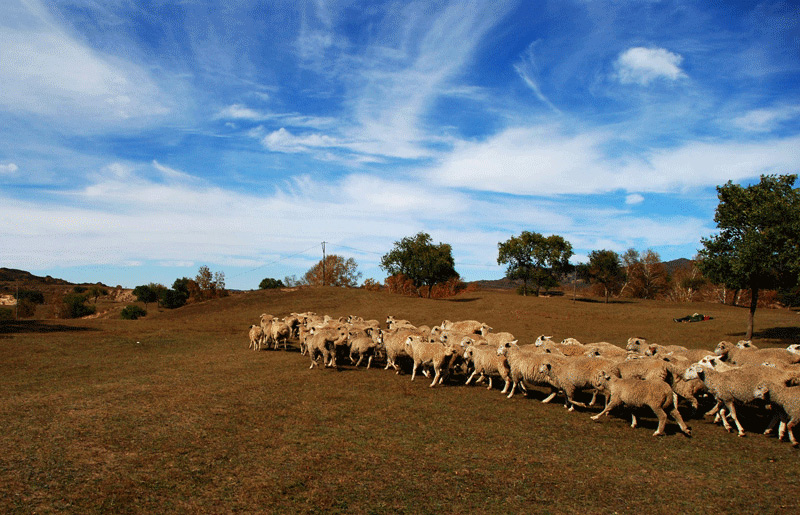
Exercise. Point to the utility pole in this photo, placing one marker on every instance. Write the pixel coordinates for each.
(323, 263)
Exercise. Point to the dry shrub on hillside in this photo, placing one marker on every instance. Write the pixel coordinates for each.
(404, 286)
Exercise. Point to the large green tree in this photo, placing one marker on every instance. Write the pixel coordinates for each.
(604, 268)
(758, 245)
(535, 259)
(420, 260)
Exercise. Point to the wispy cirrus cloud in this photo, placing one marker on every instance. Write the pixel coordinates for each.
(46, 72)
(8, 168)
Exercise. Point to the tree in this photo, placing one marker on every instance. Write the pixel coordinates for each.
(268, 283)
(646, 275)
(604, 269)
(146, 293)
(172, 299)
(758, 246)
(211, 285)
(424, 263)
(337, 271)
(535, 258)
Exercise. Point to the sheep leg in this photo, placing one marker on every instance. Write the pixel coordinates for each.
(679, 419)
(490, 383)
(550, 397)
(436, 378)
(776, 418)
(594, 398)
(634, 422)
(611, 405)
(662, 420)
(732, 409)
(414, 370)
(725, 423)
(369, 362)
(714, 410)
(360, 359)
(507, 385)
(469, 379)
(790, 429)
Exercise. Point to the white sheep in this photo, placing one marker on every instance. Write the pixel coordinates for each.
(280, 332)
(324, 342)
(735, 386)
(572, 374)
(525, 362)
(657, 395)
(361, 344)
(394, 344)
(427, 353)
(466, 327)
(786, 402)
(745, 356)
(487, 363)
(256, 337)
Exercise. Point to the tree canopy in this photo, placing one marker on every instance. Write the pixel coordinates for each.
(758, 244)
(334, 270)
(604, 268)
(535, 259)
(417, 258)
(269, 283)
(646, 276)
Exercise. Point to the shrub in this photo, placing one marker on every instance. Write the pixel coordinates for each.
(25, 308)
(79, 289)
(75, 306)
(268, 283)
(6, 314)
(172, 299)
(33, 296)
(371, 285)
(132, 312)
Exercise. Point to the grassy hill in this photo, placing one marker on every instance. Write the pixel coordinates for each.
(172, 413)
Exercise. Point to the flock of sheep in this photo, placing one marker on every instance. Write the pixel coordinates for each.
(642, 374)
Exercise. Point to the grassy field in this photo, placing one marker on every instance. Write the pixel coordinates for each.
(172, 413)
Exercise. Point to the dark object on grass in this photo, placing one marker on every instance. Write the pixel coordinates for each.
(697, 317)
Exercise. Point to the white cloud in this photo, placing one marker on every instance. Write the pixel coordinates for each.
(527, 70)
(9, 168)
(284, 141)
(548, 161)
(633, 199)
(765, 120)
(643, 65)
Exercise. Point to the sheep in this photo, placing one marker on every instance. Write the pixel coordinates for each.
(280, 332)
(394, 346)
(786, 401)
(487, 362)
(605, 350)
(256, 337)
(394, 323)
(652, 369)
(293, 321)
(266, 326)
(324, 342)
(571, 374)
(362, 345)
(794, 348)
(735, 386)
(657, 395)
(637, 344)
(743, 356)
(466, 326)
(496, 339)
(691, 355)
(525, 362)
(427, 353)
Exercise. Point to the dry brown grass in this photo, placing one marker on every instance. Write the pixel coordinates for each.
(172, 413)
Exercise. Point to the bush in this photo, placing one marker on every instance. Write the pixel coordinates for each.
(75, 306)
(371, 285)
(79, 289)
(132, 312)
(270, 284)
(25, 308)
(172, 299)
(33, 296)
(6, 314)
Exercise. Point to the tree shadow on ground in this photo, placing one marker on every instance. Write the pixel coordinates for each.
(38, 326)
(468, 299)
(785, 334)
(602, 301)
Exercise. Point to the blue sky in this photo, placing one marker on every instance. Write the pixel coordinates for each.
(140, 140)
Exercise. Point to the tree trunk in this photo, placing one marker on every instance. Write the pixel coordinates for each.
(606, 294)
(525, 287)
(753, 305)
